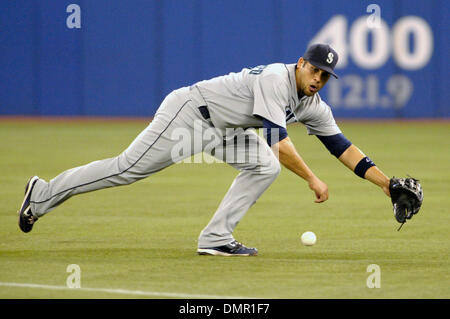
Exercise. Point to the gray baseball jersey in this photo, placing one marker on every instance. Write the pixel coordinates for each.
(240, 99)
(235, 100)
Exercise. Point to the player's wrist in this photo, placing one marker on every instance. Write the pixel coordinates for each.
(363, 166)
(311, 178)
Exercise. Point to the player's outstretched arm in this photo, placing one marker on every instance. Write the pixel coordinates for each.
(355, 160)
(288, 156)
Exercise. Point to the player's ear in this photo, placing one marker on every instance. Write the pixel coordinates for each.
(300, 62)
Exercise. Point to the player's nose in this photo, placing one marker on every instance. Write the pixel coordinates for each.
(317, 77)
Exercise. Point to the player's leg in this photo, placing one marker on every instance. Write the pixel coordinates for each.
(258, 168)
(150, 152)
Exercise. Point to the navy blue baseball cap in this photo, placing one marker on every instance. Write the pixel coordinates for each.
(322, 56)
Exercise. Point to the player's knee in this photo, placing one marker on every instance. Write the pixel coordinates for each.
(123, 162)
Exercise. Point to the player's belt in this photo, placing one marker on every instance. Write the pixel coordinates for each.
(205, 113)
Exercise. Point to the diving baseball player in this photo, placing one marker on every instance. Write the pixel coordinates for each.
(268, 97)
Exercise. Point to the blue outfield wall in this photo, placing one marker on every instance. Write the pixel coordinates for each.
(120, 58)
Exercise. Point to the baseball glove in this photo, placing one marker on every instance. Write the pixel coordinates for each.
(406, 197)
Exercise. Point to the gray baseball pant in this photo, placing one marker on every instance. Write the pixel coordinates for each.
(152, 151)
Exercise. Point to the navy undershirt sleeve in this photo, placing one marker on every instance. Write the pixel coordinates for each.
(336, 144)
(273, 132)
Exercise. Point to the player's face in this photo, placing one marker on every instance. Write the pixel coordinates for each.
(310, 79)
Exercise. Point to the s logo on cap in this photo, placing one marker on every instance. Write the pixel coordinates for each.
(330, 57)
(322, 56)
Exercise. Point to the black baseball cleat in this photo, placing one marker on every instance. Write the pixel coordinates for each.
(26, 218)
(234, 248)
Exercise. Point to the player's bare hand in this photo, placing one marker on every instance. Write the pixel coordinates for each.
(320, 189)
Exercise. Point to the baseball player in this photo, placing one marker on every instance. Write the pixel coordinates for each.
(233, 105)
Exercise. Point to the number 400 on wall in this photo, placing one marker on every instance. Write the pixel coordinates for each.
(384, 41)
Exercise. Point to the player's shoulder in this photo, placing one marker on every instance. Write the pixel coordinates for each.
(273, 69)
(312, 101)
(274, 74)
(314, 107)
(277, 70)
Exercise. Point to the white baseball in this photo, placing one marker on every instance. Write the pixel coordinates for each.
(309, 238)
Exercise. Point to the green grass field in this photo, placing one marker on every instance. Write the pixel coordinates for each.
(142, 237)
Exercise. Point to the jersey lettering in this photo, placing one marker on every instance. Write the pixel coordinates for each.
(290, 116)
(258, 69)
